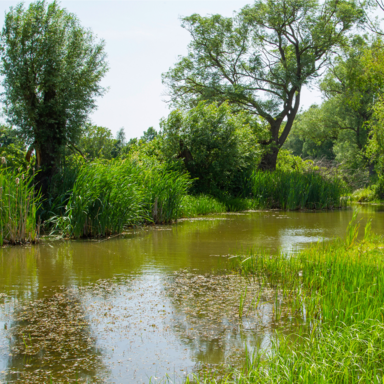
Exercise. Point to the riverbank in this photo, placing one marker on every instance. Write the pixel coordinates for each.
(337, 288)
(100, 199)
(170, 288)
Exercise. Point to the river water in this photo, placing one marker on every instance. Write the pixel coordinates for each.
(152, 305)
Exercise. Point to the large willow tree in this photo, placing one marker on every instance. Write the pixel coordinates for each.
(51, 69)
(260, 59)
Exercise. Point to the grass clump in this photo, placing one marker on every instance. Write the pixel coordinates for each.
(18, 205)
(192, 206)
(110, 195)
(295, 190)
(338, 290)
(363, 195)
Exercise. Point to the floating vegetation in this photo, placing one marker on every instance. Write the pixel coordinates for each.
(50, 341)
(210, 321)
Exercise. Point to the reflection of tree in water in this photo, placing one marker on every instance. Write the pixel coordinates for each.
(207, 318)
(51, 341)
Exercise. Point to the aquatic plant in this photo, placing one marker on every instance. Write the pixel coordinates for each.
(338, 287)
(295, 190)
(109, 195)
(18, 205)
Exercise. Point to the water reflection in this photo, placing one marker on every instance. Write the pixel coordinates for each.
(123, 292)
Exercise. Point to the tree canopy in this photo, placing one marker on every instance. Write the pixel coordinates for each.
(259, 59)
(51, 69)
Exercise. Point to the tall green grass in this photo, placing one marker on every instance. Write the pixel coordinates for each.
(338, 288)
(295, 190)
(18, 205)
(192, 206)
(110, 195)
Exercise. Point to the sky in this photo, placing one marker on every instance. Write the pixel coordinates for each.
(143, 39)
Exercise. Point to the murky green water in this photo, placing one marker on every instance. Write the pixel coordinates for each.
(147, 304)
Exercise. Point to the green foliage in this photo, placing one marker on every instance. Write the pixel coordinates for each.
(215, 145)
(51, 69)
(192, 206)
(60, 188)
(110, 195)
(295, 190)
(259, 59)
(97, 143)
(376, 141)
(18, 206)
(140, 149)
(12, 147)
(149, 134)
(363, 195)
(287, 162)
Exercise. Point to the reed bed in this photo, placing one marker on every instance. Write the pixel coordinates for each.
(338, 288)
(18, 206)
(110, 195)
(295, 190)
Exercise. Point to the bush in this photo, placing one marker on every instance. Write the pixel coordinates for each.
(216, 146)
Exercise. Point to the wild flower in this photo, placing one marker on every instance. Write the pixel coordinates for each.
(3, 160)
(17, 181)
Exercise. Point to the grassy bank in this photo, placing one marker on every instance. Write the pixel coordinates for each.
(100, 198)
(338, 288)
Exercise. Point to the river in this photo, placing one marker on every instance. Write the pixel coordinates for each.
(151, 304)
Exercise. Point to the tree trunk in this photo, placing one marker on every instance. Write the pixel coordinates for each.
(46, 160)
(269, 159)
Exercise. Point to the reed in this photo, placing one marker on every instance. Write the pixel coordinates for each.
(18, 205)
(295, 190)
(110, 195)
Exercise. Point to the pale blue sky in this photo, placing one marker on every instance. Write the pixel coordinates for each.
(143, 40)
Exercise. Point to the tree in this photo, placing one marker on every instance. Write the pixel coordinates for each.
(214, 144)
(149, 134)
(97, 142)
(51, 69)
(260, 59)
